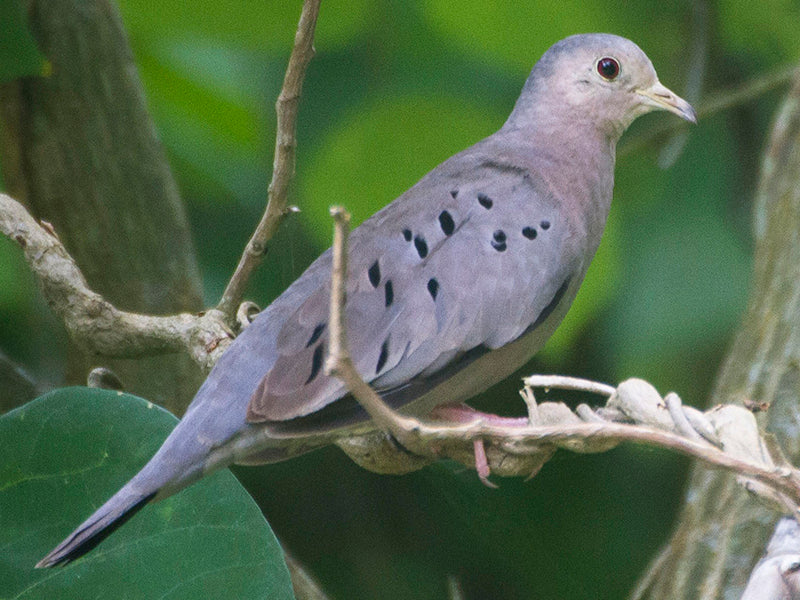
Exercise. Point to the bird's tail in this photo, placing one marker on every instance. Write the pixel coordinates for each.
(155, 479)
(96, 528)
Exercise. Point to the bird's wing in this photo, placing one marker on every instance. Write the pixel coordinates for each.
(469, 257)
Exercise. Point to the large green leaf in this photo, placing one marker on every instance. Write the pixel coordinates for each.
(65, 453)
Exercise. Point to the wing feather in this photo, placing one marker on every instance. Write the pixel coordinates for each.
(448, 267)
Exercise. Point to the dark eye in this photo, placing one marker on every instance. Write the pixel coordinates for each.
(608, 68)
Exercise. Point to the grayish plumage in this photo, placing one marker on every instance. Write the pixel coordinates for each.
(451, 287)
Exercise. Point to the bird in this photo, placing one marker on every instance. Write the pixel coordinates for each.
(450, 288)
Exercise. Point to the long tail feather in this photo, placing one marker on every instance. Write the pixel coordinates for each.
(113, 514)
(161, 476)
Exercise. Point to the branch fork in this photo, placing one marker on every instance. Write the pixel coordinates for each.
(103, 329)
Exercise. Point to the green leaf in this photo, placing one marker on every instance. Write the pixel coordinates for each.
(19, 55)
(65, 453)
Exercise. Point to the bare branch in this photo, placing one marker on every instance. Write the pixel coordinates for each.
(283, 165)
(100, 327)
(92, 321)
(573, 383)
(555, 426)
(338, 343)
(339, 363)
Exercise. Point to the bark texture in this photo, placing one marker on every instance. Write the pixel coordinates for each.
(722, 531)
(80, 149)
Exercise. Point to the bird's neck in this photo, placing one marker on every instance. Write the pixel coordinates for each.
(575, 158)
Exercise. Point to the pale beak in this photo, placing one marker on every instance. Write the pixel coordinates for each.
(661, 97)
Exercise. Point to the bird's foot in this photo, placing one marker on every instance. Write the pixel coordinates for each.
(462, 413)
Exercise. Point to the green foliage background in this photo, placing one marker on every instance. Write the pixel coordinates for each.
(396, 87)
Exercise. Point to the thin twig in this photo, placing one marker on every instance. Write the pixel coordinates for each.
(92, 321)
(337, 348)
(339, 362)
(283, 166)
(562, 382)
(456, 441)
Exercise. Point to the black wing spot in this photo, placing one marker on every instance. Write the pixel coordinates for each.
(388, 290)
(383, 356)
(446, 222)
(485, 201)
(545, 224)
(499, 240)
(407, 234)
(433, 287)
(499, 246)
(529, 232)
(454, 193)
(316, 364)
(374, 273)
(503, 167)
(421, 245)
(315, 335)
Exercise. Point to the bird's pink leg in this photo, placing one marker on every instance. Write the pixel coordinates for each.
(462, 413)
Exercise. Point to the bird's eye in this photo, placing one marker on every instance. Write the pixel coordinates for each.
(608, 68)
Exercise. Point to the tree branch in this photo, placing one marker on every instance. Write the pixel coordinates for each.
(92, 321)
(283, 167)
(84, 154)
(97, 325)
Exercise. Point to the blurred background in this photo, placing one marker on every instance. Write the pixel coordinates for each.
(395, 88)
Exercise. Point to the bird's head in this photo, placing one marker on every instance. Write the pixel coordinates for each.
(602, 79)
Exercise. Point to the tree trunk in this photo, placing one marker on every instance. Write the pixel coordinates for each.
(80, 149)
(722, 531)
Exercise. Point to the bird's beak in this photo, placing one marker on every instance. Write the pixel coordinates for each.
(661, 97)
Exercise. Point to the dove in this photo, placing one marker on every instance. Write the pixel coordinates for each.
(451, 287)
